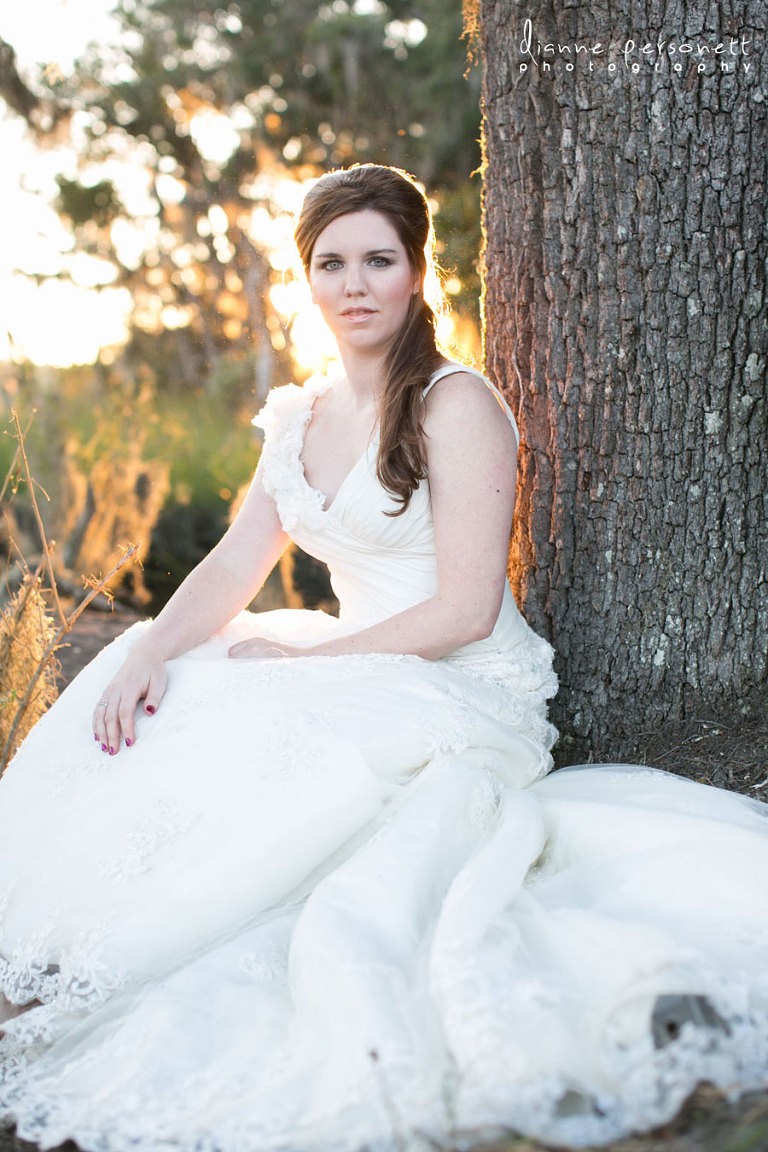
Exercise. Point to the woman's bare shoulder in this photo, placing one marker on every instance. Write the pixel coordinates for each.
(467, 402)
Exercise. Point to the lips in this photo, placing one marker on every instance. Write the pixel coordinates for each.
(358, 313)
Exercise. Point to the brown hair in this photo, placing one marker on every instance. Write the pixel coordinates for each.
(414, 355)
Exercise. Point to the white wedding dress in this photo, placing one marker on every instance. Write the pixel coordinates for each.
(334, 903)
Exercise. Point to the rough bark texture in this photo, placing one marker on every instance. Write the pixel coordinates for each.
(625, 312)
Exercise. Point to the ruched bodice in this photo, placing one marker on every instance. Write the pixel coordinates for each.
(379, 564)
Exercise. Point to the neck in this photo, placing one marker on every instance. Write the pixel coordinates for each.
(365, 374)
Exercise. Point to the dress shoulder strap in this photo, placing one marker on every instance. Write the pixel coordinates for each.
(452, 368)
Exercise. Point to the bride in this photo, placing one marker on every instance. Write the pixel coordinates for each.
(284, 881)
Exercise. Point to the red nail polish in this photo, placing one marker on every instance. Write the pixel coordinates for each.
(150, 709)
(103, 747)
(111, 751)
(128, 743)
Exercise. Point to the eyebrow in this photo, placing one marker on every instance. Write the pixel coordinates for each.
(336, 255)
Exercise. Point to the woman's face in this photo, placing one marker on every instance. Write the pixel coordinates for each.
(362, 280)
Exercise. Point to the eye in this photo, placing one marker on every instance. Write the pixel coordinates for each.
(380, 261)
(330, 265)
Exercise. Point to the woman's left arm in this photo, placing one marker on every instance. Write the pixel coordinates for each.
(471, 457)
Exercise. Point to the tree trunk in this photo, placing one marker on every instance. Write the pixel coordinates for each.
(625, 311)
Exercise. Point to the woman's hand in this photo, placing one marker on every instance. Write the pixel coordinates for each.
(258, 648)
(142, 677)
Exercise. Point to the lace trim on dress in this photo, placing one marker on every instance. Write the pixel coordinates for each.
(80, 981)
(645, 1084)
(284, 419)
(645, 1080)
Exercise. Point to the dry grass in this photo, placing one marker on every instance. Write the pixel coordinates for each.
(34, 624)
(111, 492)
(28, 668)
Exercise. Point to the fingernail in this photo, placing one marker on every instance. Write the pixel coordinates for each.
(95, 736)
(111, 751)
(150, 709)
(128, 743)
(103, 747)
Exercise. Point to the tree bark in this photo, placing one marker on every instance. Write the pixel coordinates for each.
(625, 315)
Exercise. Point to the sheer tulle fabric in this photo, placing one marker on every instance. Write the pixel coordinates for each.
(328, 903)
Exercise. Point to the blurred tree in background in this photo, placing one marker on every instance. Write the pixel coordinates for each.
(184, 130)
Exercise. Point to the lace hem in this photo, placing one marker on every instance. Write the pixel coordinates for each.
(636, 1084)
(79, 982)
(394, 1104)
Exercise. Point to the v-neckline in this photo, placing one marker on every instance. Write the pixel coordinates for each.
(327, 506)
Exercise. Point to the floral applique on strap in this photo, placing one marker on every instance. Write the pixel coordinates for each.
(283, 419)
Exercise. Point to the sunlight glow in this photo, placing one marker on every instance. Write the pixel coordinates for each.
(312, 345)
(90, 272)
(130, 241)
(55, 32)
(409, 32)
(174, 317)
(60, 323)
(214, 134)
(169, 189)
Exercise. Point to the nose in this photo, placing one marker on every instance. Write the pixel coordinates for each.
(354, 283)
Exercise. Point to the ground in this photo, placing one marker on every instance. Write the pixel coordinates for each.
(704, 749)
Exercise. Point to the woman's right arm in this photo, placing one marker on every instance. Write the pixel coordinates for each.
(214, 592)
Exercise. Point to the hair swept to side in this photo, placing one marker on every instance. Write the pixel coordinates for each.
(414, 355)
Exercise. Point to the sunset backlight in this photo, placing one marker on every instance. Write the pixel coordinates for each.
(67, 298)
